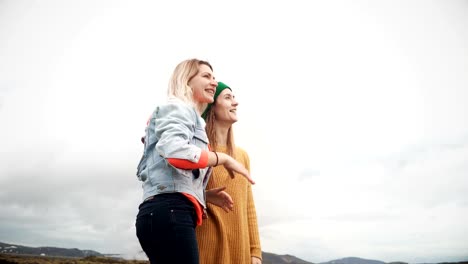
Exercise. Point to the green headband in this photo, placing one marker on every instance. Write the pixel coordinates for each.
(221, 86)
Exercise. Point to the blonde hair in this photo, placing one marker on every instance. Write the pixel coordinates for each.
(211, 133)
(183, 73)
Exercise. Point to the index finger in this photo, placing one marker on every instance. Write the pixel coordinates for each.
(247, 176)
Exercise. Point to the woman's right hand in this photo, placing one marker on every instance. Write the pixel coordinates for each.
(233, 165)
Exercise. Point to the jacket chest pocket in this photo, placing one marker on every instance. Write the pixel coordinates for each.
(200, 138)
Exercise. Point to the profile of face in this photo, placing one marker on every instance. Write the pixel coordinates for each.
(225, 108)
(203, 85)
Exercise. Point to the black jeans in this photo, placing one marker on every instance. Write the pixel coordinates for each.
(165, 227)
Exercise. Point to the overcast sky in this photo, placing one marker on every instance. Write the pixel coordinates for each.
(354, 113)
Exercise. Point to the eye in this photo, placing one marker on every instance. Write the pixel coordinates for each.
(207, 75)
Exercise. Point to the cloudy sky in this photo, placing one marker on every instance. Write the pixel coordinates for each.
(354, 113)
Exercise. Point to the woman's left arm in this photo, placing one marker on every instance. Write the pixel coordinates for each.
(254, 237)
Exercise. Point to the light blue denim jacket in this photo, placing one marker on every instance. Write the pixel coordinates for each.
(175, 130)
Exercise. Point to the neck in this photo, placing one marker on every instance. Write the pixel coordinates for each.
(222, 130)
(200, 107)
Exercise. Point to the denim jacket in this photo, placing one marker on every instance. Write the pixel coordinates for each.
(175, 130)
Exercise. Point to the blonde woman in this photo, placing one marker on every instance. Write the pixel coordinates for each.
(175, 168)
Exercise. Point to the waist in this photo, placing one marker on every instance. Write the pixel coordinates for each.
(156, 187)
(165, 196)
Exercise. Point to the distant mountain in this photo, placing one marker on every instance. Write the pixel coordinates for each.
(47, 251)
(270, 258)
(354, 260)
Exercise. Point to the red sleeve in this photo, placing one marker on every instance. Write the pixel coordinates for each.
(188, 165)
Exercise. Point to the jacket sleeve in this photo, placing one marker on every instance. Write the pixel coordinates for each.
(188, 165)
(175, 128)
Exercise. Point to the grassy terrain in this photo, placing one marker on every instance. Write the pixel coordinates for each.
(25, 259)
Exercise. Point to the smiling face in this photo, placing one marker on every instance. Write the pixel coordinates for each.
(225, 108)
(203, 85)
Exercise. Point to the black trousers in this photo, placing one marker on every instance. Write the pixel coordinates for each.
(165, 227)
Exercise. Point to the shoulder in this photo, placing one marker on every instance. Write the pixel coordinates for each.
(241, 153)
(177, 107)
(242, 157)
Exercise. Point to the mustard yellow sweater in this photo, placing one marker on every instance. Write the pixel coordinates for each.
(230, 238)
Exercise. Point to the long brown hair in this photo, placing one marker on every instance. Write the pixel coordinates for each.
(211, 132)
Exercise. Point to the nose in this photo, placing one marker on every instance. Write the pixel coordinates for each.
(234, 102)
(214, 82)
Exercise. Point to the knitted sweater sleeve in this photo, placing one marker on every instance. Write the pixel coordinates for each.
(255, 249)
